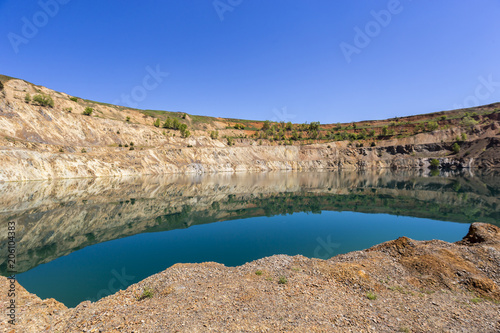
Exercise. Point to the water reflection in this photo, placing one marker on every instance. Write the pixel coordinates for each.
(56, 218)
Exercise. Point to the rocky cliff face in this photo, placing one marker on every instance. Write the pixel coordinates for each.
(43, 142)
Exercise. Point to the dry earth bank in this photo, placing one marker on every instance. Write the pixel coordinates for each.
(401, 285)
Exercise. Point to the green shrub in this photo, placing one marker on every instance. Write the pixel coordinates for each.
(131, 144)
(432, 126)
(259, 272)
(146, 293)
(127, 119)
(131, 148)
(282, 280)
(84, 150)
(239, 126)
(443, 118)
(434, 163)
(468, 121)
(68, 109)
(43, 100)
(230, 141)
(373, 144)
(88, 111)
(156, 123)
(371, 296)
(385, 130)
(464, 136)
(456, 148)
(74, 99)
(214, 134)
(27, 98)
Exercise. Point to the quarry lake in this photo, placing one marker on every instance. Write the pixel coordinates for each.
(85, 239)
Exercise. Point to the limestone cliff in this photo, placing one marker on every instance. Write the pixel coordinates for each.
(59, 141)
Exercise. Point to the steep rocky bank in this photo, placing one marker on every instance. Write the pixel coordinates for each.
(47, 142)
(401, 285)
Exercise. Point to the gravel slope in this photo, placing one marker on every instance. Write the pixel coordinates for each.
(415, 286)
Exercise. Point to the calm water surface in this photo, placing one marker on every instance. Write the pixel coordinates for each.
(86, 239)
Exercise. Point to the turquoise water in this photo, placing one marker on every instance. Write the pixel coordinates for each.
(102, 269)
(87, 238)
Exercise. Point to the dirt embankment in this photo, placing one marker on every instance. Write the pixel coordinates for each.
(401, 285)
(47, 142)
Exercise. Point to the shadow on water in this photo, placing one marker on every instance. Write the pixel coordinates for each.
(56, 218)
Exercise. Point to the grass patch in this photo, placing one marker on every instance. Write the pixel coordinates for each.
(476, 300)
(282, 280)
(371, 296)
(146, 293)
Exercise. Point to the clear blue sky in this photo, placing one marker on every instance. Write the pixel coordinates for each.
(260, 59)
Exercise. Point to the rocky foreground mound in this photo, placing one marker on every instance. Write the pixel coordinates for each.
(401, 285)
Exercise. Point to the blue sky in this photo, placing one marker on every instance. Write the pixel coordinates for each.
(256, 59)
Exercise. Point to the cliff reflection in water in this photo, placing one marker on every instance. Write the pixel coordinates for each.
(55, 218)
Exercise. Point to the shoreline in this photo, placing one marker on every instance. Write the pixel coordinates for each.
(397, 285)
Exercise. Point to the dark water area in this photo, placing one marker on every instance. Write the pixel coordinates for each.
(87, 238)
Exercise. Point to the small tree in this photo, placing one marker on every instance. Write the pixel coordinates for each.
(27, 98)
(74, 99)
(266, 125)
(384, 130)
(175, 124)
(456, 148)
(157, 123)
(88, 111)
(168, 123)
